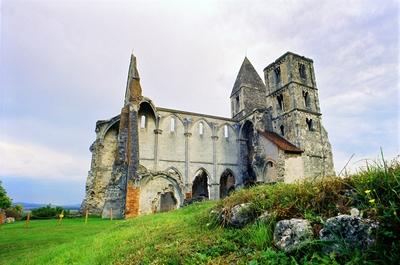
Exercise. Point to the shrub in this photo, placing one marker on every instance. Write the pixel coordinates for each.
(48, 212)
(15, 211)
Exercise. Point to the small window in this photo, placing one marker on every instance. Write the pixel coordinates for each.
(270, 164)
(280, 101)
(143, 121)
(226, 133)
(172, 125)
(306, 99)
(310, 124)
(201, 128)
(282, 130)
(277, 72)
(302, 71)
(237, 104)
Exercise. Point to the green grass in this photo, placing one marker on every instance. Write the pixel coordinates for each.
(189, 235)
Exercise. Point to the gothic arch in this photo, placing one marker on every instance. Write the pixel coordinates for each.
(175, 170)
(227, 183)
(201, 120)
(201, 184)
(165, 118)
(247, 153)
(151, 195)
(269, 172)
(245, 125)
(150, 103)
(114, 123)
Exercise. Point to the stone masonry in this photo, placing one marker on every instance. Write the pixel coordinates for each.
(150, 159)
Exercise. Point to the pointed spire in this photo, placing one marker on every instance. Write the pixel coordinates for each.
(248, 77)
(133, 89)
(133, 72)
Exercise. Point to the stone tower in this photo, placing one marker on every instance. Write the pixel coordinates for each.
(248, 92)
(292, 95)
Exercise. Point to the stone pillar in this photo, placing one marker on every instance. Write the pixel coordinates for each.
(214, 179)
(132, 185)
(133, 144)
(157, 132)
(187, 160)
(242, 161)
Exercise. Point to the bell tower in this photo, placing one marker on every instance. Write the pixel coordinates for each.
(248, 92)
(292, 95)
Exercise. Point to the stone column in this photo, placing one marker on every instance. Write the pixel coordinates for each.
(187, 160)
(242, 161)
(156, 133)
(214, 182)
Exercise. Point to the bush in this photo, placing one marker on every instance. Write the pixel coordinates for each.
(15, 212)
(48, 212)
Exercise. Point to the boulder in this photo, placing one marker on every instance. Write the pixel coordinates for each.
(346, 231)
(291, 234)
(10, 220)
(238, 216)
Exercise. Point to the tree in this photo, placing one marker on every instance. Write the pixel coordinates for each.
(5, 201)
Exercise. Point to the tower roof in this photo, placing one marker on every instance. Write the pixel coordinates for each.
(248, 77)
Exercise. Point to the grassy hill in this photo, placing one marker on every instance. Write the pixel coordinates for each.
(190, 236)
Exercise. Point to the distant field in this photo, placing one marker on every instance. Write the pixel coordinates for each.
(20, 245)
(167, 237)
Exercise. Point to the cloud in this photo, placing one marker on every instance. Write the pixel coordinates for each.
(39, 162)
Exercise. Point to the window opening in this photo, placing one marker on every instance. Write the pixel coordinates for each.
(143, 121)
(310, 124)
(306, 99)
(302, 71)
(280, 101)
(277, 71)
(201, 128)
(226, 134)
(172, 125)
(282, 130)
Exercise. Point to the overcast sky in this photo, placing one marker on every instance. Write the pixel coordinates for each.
(64, 66)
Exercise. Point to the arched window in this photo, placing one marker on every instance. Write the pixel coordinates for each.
(143, 121)
(282, 130)
(277, 72)
(201, 128)
(310, 124)
(302, 71)
(306, 99)
(172, 125)
(226, 133)
(280, 101)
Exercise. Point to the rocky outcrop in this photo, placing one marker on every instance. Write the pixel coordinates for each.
(346, 231)
(238, 216)
(291, 234)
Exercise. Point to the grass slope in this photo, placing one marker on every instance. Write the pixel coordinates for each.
(189, 235)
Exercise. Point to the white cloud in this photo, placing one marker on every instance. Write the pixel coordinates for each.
(28, 160)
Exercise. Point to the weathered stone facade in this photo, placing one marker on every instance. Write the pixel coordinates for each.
(150, 159)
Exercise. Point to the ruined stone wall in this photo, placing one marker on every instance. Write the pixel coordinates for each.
(103, 157)
(188, 150)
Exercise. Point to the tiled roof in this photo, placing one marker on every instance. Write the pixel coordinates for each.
(282, 143)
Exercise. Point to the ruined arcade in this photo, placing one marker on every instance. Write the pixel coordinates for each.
(151, 159)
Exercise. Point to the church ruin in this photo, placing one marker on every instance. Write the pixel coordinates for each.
(151, 159)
